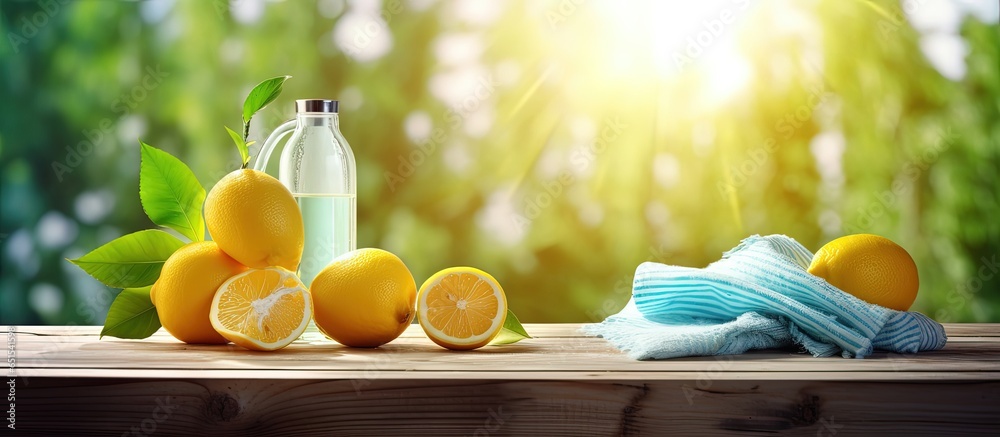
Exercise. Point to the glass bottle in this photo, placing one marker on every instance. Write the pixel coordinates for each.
(317, 165)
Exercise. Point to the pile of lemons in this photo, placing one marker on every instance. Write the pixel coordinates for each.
(241, 286)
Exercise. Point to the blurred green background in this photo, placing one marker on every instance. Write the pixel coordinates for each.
(554, 144)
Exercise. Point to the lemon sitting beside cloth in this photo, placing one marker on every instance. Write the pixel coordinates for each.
(869, 267)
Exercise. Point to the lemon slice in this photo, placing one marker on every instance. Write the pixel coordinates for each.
(461, 308)
(261, 309)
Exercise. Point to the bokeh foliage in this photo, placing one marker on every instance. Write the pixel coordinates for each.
(563, 157)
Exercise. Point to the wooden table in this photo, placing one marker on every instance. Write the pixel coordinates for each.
(558, 383)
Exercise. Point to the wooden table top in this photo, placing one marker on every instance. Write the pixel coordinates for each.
(557, 352)
(560, 382)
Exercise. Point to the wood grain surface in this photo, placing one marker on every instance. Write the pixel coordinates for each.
(559, 383)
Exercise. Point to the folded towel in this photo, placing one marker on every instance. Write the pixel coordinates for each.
(758, 296)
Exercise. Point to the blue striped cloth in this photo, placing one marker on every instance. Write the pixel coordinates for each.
(758, 296)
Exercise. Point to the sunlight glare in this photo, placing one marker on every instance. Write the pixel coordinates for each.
(664, 41)
(727, 73)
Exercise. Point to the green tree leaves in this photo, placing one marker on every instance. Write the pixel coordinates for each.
(133, 260)
(132, 315)
(170, 193)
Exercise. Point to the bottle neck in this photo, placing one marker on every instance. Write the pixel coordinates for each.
(318, 119)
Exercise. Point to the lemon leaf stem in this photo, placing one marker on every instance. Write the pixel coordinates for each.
(241, 145)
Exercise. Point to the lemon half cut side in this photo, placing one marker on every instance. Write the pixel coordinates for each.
(461, 308)
(262, 309)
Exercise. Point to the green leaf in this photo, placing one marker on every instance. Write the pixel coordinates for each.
(243, 146)
(170, 194)
(512, 331)
(132, 315)
(262, 94)
(133, 260)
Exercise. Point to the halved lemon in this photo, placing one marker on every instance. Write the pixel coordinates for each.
(461, 308)
(262, 309)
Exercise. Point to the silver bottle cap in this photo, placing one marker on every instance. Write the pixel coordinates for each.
(317, 105)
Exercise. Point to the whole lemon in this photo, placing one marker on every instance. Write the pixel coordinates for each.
(255, 220)
(364, 298)
(188, 282)
(870, 267)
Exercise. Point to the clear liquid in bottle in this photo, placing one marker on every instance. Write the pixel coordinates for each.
(330, 230)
